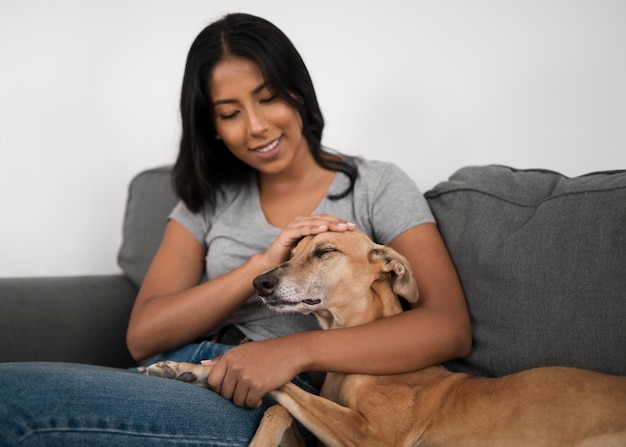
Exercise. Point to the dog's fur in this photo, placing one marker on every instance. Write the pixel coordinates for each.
(345, 279)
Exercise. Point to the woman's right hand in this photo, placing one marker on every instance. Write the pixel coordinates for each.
(280, 250)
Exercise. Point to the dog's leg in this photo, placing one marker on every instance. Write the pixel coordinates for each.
(331, 423)
(185, 372)
(277, 428)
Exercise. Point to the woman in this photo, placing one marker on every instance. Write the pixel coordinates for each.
(253, 179)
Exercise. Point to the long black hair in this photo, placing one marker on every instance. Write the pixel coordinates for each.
(204, 163)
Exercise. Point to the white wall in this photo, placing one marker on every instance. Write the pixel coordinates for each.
(89, 92)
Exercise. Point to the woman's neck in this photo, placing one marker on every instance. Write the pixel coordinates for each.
(296, 192)
(303, 171)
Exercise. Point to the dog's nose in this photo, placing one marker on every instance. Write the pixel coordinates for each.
(265, 284)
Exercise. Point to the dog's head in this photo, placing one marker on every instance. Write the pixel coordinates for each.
(343, 278)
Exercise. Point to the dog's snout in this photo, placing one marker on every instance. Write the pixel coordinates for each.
(265, 284)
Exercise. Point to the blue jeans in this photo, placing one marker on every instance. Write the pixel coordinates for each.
(60, 404)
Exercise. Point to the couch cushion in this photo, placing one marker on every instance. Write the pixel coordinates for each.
(542, 261)
(150, 201)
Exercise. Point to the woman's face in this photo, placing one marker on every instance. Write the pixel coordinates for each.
(260, 129)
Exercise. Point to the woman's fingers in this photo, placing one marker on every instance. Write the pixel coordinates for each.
(319, 222)
(246, 373)
(300, 227)
(229, 380)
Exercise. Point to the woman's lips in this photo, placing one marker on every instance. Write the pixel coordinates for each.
(267, 149)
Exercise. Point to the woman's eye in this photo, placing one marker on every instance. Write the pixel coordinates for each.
(268, 99)
(228, 116)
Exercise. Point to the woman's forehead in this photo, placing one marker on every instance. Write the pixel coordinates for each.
(235, 75)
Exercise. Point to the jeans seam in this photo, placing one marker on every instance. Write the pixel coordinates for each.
(180, 438)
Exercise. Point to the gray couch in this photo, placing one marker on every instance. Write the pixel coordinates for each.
(542, 260)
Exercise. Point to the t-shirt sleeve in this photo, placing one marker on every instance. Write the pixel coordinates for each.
(196, 223)
(396, 204)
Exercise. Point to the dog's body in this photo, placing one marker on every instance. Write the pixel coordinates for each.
(345, 280)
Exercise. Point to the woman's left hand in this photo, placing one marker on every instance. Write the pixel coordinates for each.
(247, 372)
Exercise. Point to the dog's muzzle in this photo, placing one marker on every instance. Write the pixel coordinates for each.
(267, 283)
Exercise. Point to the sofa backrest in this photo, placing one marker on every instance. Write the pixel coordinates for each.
(541, 257)
(150, 201)
(542, 262)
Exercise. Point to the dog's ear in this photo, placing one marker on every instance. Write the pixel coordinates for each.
(402, 279)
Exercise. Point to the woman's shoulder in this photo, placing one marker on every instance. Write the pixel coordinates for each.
(369, 166)
(387, 201)
(378, 171)
(199, 222)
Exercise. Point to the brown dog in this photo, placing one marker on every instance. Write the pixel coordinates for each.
(345, 279)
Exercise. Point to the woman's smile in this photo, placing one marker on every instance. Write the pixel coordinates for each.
(269, 150)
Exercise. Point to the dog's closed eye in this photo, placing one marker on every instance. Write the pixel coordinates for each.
(322, 250)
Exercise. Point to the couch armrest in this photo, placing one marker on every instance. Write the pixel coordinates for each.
(78, 319)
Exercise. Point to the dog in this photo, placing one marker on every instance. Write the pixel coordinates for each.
(345, 279)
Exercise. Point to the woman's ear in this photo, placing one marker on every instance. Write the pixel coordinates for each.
(402, 278)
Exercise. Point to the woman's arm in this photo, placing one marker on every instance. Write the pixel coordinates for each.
(173, 308)
(436, 330)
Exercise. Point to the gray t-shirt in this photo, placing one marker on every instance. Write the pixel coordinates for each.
(384, 203)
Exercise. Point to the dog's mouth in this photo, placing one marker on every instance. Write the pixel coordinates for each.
(276, 303)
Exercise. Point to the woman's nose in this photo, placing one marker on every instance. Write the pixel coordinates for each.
(257, 122)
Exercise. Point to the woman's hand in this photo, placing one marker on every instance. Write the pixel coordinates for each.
(247, 372)
(300, 227)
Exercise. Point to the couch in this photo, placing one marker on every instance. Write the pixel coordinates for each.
(541, 257)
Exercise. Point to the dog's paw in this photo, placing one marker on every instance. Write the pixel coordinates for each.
(160, 369)
(185, 372)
